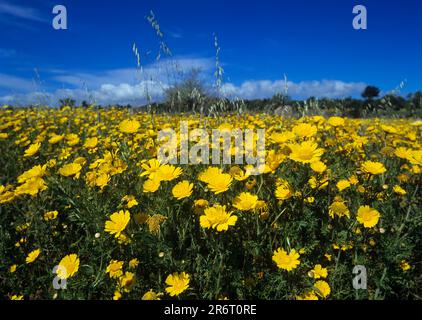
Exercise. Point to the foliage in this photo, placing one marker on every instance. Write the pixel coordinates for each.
(370, 92)
(94, 165)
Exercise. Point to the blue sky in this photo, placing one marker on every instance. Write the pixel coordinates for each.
(313, 43)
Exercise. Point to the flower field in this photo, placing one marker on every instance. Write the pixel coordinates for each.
(88, 212)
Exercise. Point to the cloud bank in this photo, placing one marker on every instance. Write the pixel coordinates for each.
(132, 86)
(259, 89)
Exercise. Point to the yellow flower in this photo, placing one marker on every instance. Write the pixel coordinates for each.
(182, 190)
(353, 180)
(177, 283)
(150, 168)
(31, 187)
(200, 205)
(343, 184)
(208, 175)
(22, 227)
(310, 295)
(336, 121)
(346, 247)
(102, 180)
(168, 173)
(114, 268)
(245, 201)
(304, 130)
(80, 160)
(68, 266)
(154, 223)
(388, 129)
(327, 256)
(310, 200)
(318, 166)
(416, 169)
(123, 239)
(403, 153)
(12, 268)
(250, 184)
(373, 167)
(282, 137)
(55, 138)
(151, 295)
(306, 152)
(415, 157)
(319, 272)
(220, 183)
(71, 169)
(321, 184)
(117, 223)
(283, 191)
(16, 297)
(262, 209)
(286, 261)
(91, 143)
(129, 126)
(32, 149)
(322, 288)
(151, 185)
(117, 295)
(133, 263)
(368, 216)
(34, 172)
(399, 190)
(217, 218)
(404, 265)
(32, 256)
(72, 139)
(403, 177)
(273, 161)
(127, 281)
(50, 215)
(6, 196)
(131, 201)
(238, 174)
(338, 208)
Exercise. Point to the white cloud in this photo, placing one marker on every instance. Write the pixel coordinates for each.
(116, 86)
(15, 83)
(107, 94)
(265, 88)
(21, 12)
(128, 94)
(162, 71)
(135, 94)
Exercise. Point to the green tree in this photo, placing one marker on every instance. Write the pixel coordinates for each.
(370, 92)
(187, 95)
(67, 102)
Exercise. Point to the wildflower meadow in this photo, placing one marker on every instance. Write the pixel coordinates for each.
(88, 210)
